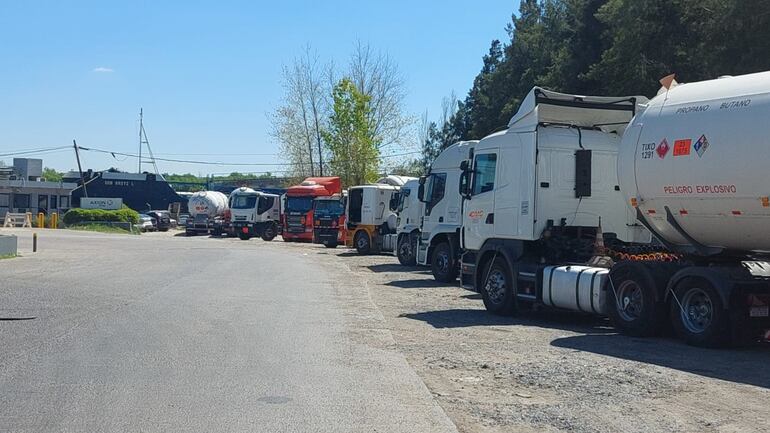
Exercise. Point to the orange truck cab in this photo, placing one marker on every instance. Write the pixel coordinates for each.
(298, 206)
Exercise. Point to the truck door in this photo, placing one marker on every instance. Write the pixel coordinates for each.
(479, 217)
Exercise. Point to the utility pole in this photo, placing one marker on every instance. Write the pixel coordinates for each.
(141, 128)
(80, 168)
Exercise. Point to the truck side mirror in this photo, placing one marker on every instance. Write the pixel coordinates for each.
(464, 184)
(421, 189)
(464, 165)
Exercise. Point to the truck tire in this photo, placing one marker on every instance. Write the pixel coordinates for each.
(405, 251)
(362, 242)
(497, 289)
(269, 233)
(443, 264)
(244, 236)
(698, 315)
(631, 304)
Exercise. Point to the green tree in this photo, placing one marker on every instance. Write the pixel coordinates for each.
(52, 175)
(350, 138)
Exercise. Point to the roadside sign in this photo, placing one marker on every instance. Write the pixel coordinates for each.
(101, 203)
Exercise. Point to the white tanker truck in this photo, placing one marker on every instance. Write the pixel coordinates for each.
(558, 209)
(207, 210)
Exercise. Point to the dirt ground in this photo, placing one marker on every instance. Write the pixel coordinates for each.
(554, 372)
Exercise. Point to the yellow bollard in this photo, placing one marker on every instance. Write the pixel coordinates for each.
(40, 220)
(54, 223)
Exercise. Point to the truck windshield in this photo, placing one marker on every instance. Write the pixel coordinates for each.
(329, 207)
(299, 204)
(244, 202)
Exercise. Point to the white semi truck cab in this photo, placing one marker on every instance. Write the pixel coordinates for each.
(255, 213)
(439, 240)
(409, 211)
(560, 208)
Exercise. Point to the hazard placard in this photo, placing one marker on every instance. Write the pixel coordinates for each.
(682, 147)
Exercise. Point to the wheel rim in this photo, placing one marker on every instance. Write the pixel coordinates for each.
(442, 262)
(268, 232)
(697, 310)
(405, 251)
(631, 301)
(495, 286)
(361, 242)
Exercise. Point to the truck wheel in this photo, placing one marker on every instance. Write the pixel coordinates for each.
(631, 304)
(405, 251)
(244, 236)
(697, 314)
(362, 242)
(443, 265)
(497, 289)
(269, 233)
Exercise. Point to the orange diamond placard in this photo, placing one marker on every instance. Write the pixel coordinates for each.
(682, 147)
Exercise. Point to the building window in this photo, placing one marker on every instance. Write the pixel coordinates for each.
(64, 202)
(54, 202)
(5, 200)
(21, 201)
(42, 202)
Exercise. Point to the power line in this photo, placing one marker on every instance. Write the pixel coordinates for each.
(236, 164)
(34, 151)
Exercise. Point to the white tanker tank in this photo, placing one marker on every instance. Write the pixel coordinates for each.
(209, 203)
(695, 165)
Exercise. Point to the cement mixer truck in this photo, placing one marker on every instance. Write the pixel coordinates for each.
(558, 210)
(207, 209)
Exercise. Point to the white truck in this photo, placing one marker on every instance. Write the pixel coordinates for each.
(255, 213)
(370, 214)
(409, 210)
(559, 209)
(439, 239)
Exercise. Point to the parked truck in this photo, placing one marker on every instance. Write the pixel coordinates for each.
(439, 240)
(329, 220)
(298, 206)
(371, 215)
(255, 213)
(207, 211)
(559, 208)
(409, 212)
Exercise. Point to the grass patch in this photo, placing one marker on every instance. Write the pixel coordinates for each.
(102, 228)
(7, 256)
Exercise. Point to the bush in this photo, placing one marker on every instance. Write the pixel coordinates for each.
(77, 216)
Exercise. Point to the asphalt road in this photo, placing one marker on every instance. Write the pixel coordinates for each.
(163, 333)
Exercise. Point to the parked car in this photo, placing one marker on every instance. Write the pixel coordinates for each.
(183, 219)
(146, 223)
(161, 219)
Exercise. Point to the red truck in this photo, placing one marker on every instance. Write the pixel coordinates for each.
(298, 207)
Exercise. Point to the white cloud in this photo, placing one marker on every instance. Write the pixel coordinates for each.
(102, 69)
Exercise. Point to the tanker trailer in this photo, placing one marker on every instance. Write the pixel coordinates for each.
(206, 208)
(693, 168)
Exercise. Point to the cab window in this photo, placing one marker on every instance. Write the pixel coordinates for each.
(435, 190)
(484, 173)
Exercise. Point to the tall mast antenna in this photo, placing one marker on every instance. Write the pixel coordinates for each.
(144, 141)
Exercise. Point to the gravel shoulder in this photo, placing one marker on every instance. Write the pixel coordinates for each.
(556, 372)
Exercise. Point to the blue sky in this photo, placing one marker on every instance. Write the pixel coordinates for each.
(207, 73)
